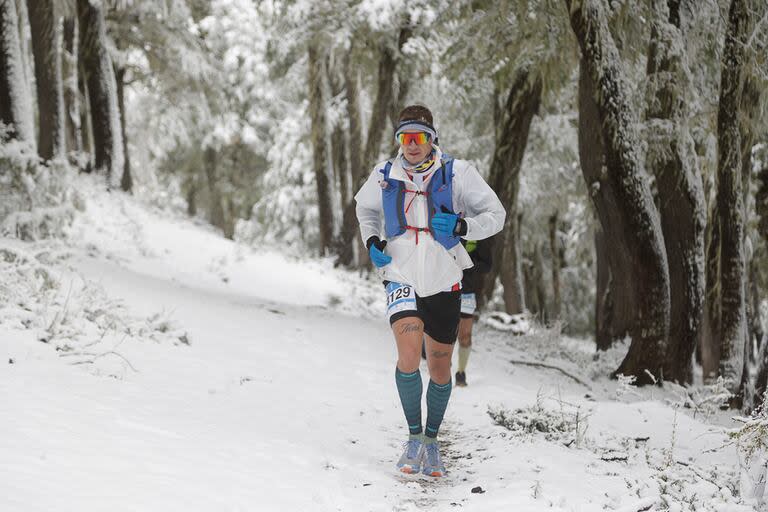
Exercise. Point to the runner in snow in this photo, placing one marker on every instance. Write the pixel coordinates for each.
(425, 202)
(481, 253)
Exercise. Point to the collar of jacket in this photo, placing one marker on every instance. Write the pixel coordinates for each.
(398, 173)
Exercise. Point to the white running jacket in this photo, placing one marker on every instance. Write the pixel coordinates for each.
(427, 265)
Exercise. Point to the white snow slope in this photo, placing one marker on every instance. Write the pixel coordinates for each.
(229, 379)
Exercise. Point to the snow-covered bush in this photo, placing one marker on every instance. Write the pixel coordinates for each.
(752, 443)
(705, 400)
(515, 324)
(626, 386)
(36, 201)
(567, 426)
(72, 314)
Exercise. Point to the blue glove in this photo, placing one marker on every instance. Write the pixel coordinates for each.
(376, 252)
(445, 223)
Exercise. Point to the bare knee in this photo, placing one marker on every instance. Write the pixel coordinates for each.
(408, 360)
(465, 332)
(439, 362)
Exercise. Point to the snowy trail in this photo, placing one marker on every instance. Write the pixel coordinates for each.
(283, 403)
(292, 407)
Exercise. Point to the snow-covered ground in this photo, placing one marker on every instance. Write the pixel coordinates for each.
(154, 366)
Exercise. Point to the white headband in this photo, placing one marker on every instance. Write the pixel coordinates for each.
(416, 126)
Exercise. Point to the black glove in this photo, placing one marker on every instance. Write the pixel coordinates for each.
(376, 252)
(374, 240)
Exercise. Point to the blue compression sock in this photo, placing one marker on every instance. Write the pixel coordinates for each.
(409, 387)
(437, 402)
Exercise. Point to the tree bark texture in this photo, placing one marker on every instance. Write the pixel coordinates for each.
(72, 127)
(554, 248)
(126, 180)
(382, 105)
(355, 146)
(319, 150)
(730, 205)
(15, 103)
(402, 78)
(86, 126)
(671, 155)
(755, 327)
(27, 60)
(761, 205)
(339, 145)
(512, 128)
(46, 48)
(603, 298)
(215, 202)
(535, 290)
(192, 198)
(487, 283)
(614, 313)
(761, 380)
(709, 346)
(750, 119)
(761, 202)
(102, 90)
(625, 185)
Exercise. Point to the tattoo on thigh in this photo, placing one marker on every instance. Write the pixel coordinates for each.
(439, 354)
(410, 328)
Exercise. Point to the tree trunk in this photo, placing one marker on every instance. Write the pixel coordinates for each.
(750, 119)
(27, 61)
(381, 108)
(86, 126)
(126, 181)
(215, 205)
(512, 127)
(15, 103)
(670, 157)
(761, 206)
(730, 205)
(319, 150)
(535, 289)
(761, 380)
(339, 145)
(709, 346)
(755, 326)
(625, 185)
(603, 299)
(102, 90)
(761, 202)
(355, 146)
(73, 136)
(192, 198)
(487, 283)
(46, 47)
(402, 79)
(540, 288)
(614, 312)
(554, 247)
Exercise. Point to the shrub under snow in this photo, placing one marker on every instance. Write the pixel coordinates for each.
(36, 201)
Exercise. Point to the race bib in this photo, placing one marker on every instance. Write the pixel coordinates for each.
(468, 303)
(400, 297)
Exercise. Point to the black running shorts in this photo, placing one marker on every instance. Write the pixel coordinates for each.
(440, 313)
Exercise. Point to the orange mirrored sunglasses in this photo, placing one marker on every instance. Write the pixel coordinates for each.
(405, 138)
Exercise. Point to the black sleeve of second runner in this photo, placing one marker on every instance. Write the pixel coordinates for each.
(483, 255)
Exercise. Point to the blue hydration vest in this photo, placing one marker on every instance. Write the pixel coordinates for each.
(439, 196)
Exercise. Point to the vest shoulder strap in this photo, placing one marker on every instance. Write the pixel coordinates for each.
(446, 168)
(386, 169)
